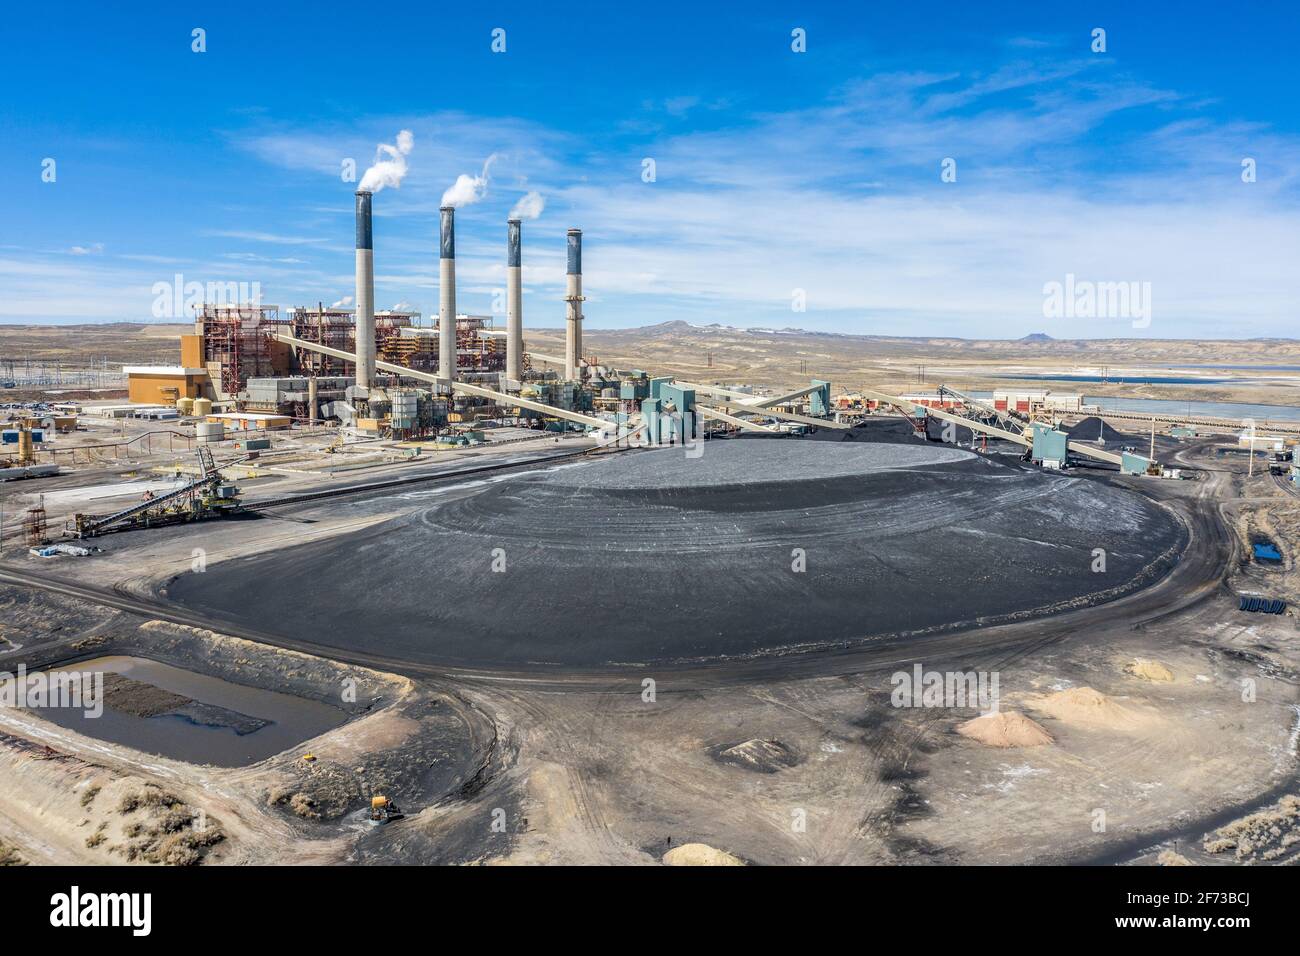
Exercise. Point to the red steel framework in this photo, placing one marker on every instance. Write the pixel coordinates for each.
(324, 327)
(476, 352)
(240, 341)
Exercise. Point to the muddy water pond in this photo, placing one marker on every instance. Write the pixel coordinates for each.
(166, 710)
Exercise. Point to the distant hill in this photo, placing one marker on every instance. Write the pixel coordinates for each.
(92, 344)
(722, 353)
(1035, 340)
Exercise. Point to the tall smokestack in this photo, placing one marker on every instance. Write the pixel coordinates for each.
(447, 295)
(514, 303)
(573, 296)
(365, 315)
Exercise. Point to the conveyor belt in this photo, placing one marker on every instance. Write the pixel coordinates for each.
(406, 480)
(991, 430)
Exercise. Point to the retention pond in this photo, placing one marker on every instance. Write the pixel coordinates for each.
(165, 710)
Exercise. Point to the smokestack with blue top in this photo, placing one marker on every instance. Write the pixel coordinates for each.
(365, 314)
(573, 296)
(514, 302)
(447, 295)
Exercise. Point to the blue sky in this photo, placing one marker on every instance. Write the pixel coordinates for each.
(776, 171)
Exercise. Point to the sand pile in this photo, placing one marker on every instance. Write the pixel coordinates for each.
(1091, 708)
(1144, 669)
(1006, 728)
(700, 854)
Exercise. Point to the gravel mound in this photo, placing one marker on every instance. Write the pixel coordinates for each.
(763, 756)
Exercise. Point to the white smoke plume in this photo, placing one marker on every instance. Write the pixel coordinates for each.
(467, 190)
(390, 164)
(342, 303)
(530, 205)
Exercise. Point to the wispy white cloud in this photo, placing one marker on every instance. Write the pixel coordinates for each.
(1032, 43)
(269, 237)
(1065, 165)
(254, 257)
(844, 201)
(149, 257)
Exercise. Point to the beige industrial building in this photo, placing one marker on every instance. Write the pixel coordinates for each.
(164, 384)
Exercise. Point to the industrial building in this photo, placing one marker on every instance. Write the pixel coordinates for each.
(1036, 400)
(382, 373)
(893, 490)
(165, 384)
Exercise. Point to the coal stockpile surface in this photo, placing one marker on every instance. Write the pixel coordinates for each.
(654, 556)
(1096, 431)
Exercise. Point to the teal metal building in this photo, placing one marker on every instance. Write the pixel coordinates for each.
(1131, 464)
(819, 402)
(1050, 446)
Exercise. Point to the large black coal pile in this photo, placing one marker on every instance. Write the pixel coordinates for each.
(755, 546)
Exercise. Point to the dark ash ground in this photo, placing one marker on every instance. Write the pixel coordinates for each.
(655, 557)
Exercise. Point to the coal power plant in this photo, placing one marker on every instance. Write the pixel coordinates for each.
(420, 585)
(935, 513)
(662, 523)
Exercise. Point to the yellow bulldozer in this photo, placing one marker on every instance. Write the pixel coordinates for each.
(383, 809)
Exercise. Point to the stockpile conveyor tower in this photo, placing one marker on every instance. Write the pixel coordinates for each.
(204, 497)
